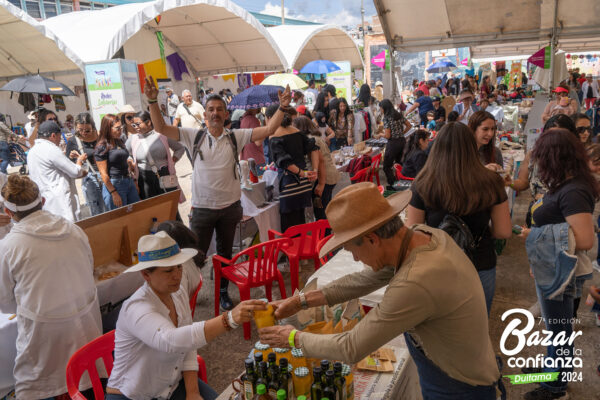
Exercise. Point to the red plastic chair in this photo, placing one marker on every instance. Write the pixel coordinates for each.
(304, 239)
(364, 175)
(320, 245)
(260, 269)
(375, 161)
(399, 175)
(195, 297)
(85, 358)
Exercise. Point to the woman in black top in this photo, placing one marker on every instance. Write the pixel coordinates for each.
(114, 164)
(454, 182)
(562, 167)
(289, 146)
(84, 141)
(416, 154)
(394, 128)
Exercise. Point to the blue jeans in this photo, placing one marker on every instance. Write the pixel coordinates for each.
(338, 143)
(206, 392)
(4, 156)
(488, 281)
(91, 186)
(437, 385)
(557, 316)
(125, 188)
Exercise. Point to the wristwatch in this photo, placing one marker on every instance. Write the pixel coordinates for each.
(303, 302)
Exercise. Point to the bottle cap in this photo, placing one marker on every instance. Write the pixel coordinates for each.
(301, 372)
(297, 353)
(317, 371)
(261, 389)
(249, 362)
(281, 394)
(283, 362)
(301, 398)
(337, 366)
(346, 370)
(271, 357)
(261, 346)
(280, 350)
(262, 364)
(329, 373)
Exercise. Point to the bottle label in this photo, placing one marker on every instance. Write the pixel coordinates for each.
(248, 390)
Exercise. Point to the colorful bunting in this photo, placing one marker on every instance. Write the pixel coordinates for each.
(161, 46)
(157, 19)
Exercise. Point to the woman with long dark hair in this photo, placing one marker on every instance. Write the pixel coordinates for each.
(566, 207)
(115, 165)
(415, 153)
(455, 182)
(289, 148)
(366, 110)
(483, 125)
(394, 128)
(341, 120)
(152, 154)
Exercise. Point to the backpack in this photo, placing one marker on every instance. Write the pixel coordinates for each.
(357, 164)
(232, 141)
(458, 230)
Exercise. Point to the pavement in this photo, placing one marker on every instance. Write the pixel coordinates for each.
(514, 289)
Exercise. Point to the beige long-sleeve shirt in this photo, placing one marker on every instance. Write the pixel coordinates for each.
(436, 296)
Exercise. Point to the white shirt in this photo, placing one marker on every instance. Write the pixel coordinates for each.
(151, 352)
(172, 103)
(29, 127)
(46, 278)
(55, 176)
(213, 183)
(187, 121)
(310, 97)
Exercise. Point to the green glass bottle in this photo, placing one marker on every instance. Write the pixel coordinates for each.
(316, 389)
(249, 379)
(329, 389)
(285, 377)
(273, 385)
(339, 381)
(262, 378)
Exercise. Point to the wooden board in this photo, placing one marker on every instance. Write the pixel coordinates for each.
(114, 235)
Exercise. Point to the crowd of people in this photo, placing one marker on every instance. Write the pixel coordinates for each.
(459, 185)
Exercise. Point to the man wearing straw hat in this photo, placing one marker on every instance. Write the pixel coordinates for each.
(434, 297)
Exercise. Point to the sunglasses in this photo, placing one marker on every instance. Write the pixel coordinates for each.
(85, 131)
(129, 117)
(52, 119)
(582, 129)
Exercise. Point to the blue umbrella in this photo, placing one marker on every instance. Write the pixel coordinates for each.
(319, 67)
(440, 66)
(256, 97)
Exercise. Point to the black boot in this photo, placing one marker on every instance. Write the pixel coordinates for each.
(226, 303)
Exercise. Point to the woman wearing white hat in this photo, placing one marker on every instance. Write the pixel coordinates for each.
(156, 339)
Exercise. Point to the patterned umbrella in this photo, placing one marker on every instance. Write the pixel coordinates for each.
(256, 97)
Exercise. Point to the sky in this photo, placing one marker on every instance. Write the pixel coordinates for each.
(339, 12)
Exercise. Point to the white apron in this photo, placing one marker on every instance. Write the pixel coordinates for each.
(46, 277)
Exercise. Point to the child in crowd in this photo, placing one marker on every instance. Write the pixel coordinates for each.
(453, 116)
(431, 121)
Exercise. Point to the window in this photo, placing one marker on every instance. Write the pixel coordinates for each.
(84, 6)
(33, 9)
(66, 6)
(16, 3)
(50, 8)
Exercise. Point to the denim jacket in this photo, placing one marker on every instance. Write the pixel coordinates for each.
(556, 266)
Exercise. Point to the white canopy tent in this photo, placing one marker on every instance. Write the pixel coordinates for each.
(26, 46)
(499, 28)
(212, 36)
(301, 44)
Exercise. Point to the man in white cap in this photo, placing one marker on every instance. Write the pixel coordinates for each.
(434, 296)
(172, 103)
(54, 173)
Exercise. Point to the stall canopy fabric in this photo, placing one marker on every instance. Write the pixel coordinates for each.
(503, 25)
(301, 44)
(211, 36)
(26, 46)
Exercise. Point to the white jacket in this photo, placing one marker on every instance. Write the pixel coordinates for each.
(55, 175)
(584, 88)
(3, 229)
(46, 278)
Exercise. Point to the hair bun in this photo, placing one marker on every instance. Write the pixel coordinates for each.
(20, 190)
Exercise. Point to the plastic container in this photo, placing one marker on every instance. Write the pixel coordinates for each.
(302, 382)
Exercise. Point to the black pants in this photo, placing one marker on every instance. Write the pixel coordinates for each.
(393, 154)
(149, 185)
(292, 218)
(205, 221)
(325, 199)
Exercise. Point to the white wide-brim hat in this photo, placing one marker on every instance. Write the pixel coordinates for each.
(160, 250)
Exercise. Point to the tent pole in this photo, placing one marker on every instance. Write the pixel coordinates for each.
(362, 15)
(392, 74)
(553, 41)
(282, 12)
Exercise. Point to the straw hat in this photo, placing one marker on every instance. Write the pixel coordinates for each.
(359, 209)
(127, 109)
(160, 250)
(464, 94)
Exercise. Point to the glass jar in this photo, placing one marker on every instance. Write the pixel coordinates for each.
(282, 353)
(302, 382)
(262, 348)
(347, 373)
(264, 318)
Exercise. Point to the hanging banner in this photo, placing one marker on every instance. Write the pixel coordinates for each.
(541, 58)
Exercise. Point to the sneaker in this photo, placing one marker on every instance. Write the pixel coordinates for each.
(596, 266)
(226, 303)
(544, 394)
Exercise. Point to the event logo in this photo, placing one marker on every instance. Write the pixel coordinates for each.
(521, 329)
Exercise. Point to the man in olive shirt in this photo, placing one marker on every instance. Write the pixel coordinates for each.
(434, 297)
